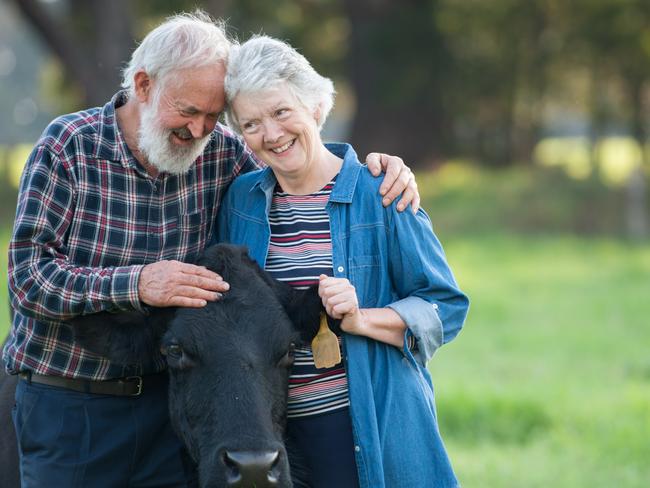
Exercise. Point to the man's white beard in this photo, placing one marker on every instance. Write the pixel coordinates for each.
(154, 142)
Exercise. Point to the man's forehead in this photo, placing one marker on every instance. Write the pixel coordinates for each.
(204, 93)
(214, 74)
(193, 104)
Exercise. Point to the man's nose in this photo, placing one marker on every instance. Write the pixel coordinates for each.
(201, 125)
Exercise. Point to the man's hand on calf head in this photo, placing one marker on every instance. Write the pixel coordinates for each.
(176, 284)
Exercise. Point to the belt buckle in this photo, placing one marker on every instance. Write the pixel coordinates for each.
(139, 384)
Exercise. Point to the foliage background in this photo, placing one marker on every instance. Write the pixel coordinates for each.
(527, 125)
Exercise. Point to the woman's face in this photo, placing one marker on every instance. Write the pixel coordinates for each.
(279, 130)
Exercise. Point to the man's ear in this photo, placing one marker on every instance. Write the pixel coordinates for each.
(143, 85)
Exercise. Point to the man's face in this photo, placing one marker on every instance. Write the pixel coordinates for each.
(178, 117)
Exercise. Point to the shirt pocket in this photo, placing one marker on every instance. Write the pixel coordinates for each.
(365, 275)
(191, 230)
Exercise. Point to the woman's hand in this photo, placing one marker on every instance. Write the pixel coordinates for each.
(340, 301)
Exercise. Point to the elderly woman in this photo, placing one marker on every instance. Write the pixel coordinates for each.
(312, 217)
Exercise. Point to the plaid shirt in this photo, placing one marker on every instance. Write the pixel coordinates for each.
(89, 218)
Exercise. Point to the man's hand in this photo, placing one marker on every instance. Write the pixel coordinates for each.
(176, 284)
(399, 178)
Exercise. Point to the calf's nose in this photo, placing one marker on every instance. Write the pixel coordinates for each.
(252, 468)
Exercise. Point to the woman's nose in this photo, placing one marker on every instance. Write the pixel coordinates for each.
(272, 131)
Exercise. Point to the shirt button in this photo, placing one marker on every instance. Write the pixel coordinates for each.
(340, 269)
(357, 449)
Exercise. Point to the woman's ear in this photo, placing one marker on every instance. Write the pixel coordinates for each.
(317, 114)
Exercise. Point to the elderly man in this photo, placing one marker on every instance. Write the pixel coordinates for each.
(114, 204)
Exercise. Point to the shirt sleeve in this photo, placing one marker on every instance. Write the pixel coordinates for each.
(433, 307)
(43, 283)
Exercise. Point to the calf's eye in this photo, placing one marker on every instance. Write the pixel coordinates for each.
(177, 357)
(287, 359)
(173, 351)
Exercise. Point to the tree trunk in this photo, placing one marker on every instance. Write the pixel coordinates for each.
(113, 45)
(636, 211)
(91, 57)
(395, 61)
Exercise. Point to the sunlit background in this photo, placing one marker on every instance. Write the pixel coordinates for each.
(527, 125)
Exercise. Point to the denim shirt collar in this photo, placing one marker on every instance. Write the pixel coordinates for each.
(346, 181)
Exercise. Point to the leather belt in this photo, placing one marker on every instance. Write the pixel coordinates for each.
(127, 386)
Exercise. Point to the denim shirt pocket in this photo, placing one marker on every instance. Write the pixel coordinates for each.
(365, 275)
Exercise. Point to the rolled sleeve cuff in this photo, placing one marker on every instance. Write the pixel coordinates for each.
(422, 321)
(124, 287)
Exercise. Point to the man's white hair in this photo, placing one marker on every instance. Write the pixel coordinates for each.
(186, 40)
(262, 63)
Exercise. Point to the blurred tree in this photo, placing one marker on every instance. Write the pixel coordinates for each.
(90, 41)
(430, 78)
(501, 50)
(316, 28)
(613, 38)
(93, 39)
(398, 63)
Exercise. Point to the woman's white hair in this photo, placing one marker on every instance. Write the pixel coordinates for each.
(186, 40)
(263, 62)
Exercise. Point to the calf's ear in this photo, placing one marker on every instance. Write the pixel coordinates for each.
(303, 308)
(125, 337)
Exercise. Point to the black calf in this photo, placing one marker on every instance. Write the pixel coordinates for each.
(229, 366)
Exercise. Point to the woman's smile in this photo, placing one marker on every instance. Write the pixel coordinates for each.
(284, 147)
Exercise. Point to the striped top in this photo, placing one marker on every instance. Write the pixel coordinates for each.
(299, 251)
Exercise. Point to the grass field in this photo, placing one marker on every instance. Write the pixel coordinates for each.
(548, 385)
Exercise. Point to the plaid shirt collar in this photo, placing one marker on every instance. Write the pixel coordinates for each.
(109, 142)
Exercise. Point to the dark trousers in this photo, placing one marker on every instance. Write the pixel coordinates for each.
(70, 439)
(321, 451)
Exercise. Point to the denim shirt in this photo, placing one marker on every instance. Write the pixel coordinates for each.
(393, 260)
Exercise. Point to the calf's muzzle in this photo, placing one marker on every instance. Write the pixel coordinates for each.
(252, 468)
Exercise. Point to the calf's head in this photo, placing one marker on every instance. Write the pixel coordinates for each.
(229, 365)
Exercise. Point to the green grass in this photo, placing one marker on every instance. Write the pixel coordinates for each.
(524, 199)
(549, 383)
